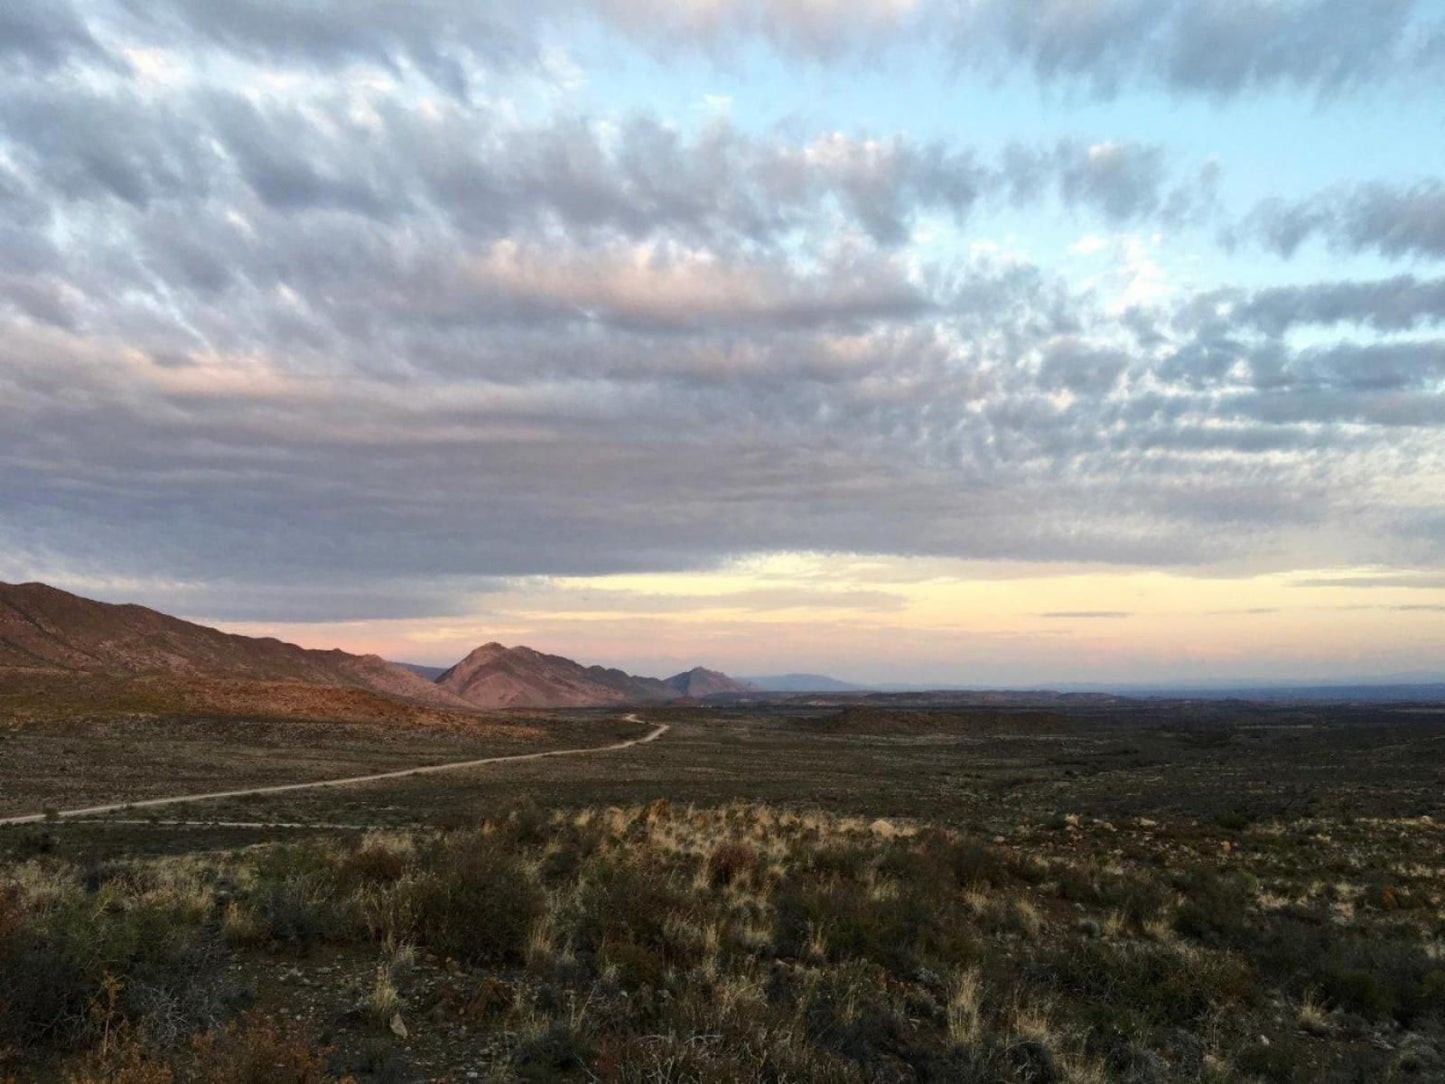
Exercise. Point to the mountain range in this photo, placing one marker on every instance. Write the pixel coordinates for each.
(494, 676)
(136, 655)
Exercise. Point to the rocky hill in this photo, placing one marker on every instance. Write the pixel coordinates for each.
(45, 629)
(494, 676)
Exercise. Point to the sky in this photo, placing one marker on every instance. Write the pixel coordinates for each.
(964, 341)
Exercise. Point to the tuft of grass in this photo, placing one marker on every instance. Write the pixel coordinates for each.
(964, 1007)
(382, 1000)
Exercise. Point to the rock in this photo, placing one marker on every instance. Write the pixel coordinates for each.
(398, 1027)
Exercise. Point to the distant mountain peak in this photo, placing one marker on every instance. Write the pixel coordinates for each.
(701, 682)
(494, 676)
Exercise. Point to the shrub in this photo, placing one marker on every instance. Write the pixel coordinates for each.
(85, 965)
(298, 913)
(730, 862)
(624, 903)
(842, 860)
(559, 1051)
(1232, 820)
(1378, 978)
(1280, 1060)
(848, 1012)
(528, 824)
(373, 865)
(476, 905)
(1432, 994)
(897, 932)
(1139, 899)
(126, 1061)
(1149, 982)
(1358, 991)
(1215, 907)
(255, 1051)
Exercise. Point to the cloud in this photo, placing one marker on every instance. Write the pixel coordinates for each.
(1125, 181)
(557, 599)
(1390, 219)
(292, 315)
(445, 39)
(1402, 303)
(1406, 580)
(1217, 49)
(469, 170)
(46, 34)
(816, 28)
(672, 286)
(1086, 615)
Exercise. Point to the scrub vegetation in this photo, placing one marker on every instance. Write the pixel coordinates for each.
(740, 941)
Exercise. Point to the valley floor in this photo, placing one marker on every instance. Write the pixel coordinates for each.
(1142, 892)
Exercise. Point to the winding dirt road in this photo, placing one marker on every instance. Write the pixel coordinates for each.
(147, 803)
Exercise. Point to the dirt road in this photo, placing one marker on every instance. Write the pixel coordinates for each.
(147, 803)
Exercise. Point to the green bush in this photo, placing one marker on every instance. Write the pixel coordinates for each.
(298, 913)
(1216, 907)
(1360, 992)
(372, 865)
(1147, 982)
(476, 904)
(900, 932)
(1432, 994)
(87, 964)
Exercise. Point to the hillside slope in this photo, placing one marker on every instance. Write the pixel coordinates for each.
(43, 628)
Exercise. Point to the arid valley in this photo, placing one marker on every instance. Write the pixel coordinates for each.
(1013, 887)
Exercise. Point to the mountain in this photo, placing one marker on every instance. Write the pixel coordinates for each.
(494, 676)
(801, 683)
(46, 630)
(700, 682)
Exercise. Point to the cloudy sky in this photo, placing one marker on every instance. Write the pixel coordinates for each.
(917, 340)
